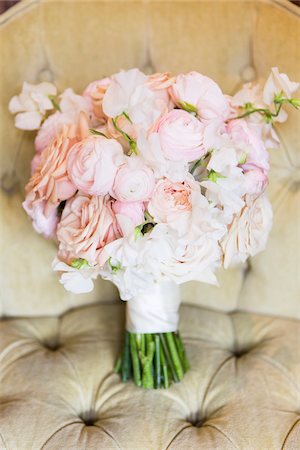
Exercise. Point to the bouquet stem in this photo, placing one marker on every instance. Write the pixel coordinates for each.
(152, 360)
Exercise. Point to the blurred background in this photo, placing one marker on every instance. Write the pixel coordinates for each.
(7, 4)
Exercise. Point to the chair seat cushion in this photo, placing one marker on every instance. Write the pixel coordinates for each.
(58, 389)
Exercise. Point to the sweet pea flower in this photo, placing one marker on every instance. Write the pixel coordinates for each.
(249, 231)
(87, 224)
(44, 216)
(31, 105)
(50, 184)
(129, 93)
(134, 181)
(93, 163)
(77, 281)
(245, 137)
(72, 107)
(128, 215)
(200, 94)
(278, 84)
(181, 136)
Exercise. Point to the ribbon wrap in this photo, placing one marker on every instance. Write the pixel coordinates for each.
(156, 311)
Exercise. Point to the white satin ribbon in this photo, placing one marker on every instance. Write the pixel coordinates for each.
(156, 311)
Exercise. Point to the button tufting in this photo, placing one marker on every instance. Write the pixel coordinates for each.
(89, 418)
(239, 353)
(196, 419)
(52, 344)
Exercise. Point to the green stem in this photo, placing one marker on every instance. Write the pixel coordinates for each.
(135, 360)
(117, 367)
(174, 355)
(125, 373)
(157, 361)
(164, 369)
(181, 352)
(168, 357)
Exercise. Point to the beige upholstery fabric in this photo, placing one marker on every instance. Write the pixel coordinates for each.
(74, 42)
(57, 388)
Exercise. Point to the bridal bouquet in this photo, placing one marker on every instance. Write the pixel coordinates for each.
(150, 182)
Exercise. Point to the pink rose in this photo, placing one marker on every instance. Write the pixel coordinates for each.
(50, 184)
(255, 148)
(181, 136)
(160, 83)
(128, 215)
(95, 92)
(92, 164)
(170, 199)
(134, 181)
(201, 93)
(87, 225)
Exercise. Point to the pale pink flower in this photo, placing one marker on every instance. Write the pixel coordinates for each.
(181, 136)
(87, 224)
(160, 83)
(256, 179)
(244, 136)
(169, 199)
(278, 84)
(50, 184)
(134, 181)
(202, 93)
(93, 163)
(31, 105)
(44, 216)
(249, 231)
(128, 215)
(95, 92)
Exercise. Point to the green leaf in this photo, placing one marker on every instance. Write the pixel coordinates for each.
(97, 133)
(214, 176)
(188, 107)
(295, 102)
(79, 263)
(54, 102)
(114, 267)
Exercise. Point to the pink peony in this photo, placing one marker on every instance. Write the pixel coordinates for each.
(181, 136)
(92, 164)
(170, 199)
(134, 181)
(128, 215)
(201, 93)
(87, 225)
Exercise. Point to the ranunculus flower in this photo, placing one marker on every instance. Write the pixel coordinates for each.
(31, 105)
(169, 199)
(256, 179)
(87, 224)
(202, 93)
(92, 164)
(249, 231)
(244, 136)
(181, 136)
(160, 83)
(95, 92)
(128, 215)
(134, 181)
(278, 83)
(50, 184)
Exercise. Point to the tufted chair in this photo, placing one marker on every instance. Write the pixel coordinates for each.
(57, 350)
